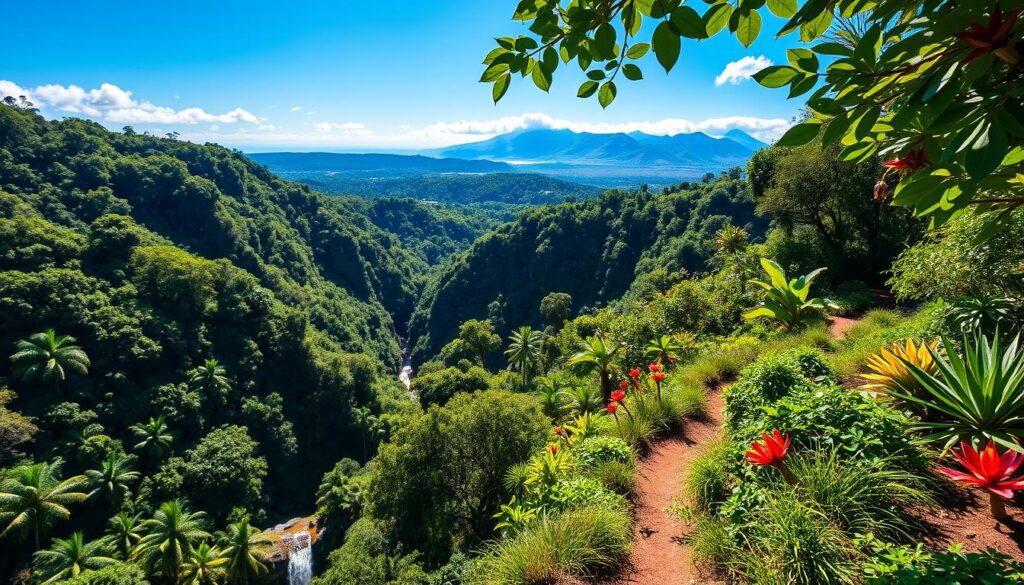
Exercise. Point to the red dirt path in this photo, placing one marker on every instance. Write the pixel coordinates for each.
(660, 555)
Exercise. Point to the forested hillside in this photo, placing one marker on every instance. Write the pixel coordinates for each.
(228, 314)
(593, 250)
(432, 231)
(471, 188)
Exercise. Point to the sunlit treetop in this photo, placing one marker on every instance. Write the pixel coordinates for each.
(934, 87)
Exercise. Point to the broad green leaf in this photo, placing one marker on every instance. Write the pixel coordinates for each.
(987, 151)
(835, 128)
(775, 76)
(688, 23)
(666, 46)
(816, 27)
(587, 89)
(867, 122)
(716, 18)
(803, 59)
(748, 26)
(638, 50)
(541, 78)
(500, 87)
(495, 71)
(782, 8)
(632, 72)
(595, 74)
(801, 133)
(606, 94)
(604, 37)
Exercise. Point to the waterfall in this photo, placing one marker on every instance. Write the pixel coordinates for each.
(300, 559)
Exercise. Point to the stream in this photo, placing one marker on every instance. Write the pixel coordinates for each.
(405, 374)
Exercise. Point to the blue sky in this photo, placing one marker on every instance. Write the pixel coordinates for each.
(345, 75)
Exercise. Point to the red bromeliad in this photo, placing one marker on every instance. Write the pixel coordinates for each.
(990, 471)
(634, 374)
(612, 407)
(992, 38)
(618, 395)
(553, 449)
(658, 378)
(771, 450)
(904, 165)
(655, 367)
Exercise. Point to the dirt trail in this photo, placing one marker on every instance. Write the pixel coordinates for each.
(660, 555)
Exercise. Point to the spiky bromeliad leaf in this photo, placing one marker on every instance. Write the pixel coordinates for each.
(978, 396)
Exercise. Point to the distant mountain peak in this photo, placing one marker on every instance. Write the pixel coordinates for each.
(745, 139)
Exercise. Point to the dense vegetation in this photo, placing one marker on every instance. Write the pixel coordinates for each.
(593, 250)
(196, 347)
(433, 231)
(507, 188)
(228, 323)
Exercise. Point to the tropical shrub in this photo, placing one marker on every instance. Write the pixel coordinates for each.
(596, 450)
(786, 300)
(577, 543)
(439, 387)
(895, 564)
(763, 382)
(118, 573)
(812, 362)
(975, 397)
(982, 314)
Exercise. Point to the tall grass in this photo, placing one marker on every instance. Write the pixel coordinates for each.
(860, 496)
(792, 542)
(707, 483)
(579, 543)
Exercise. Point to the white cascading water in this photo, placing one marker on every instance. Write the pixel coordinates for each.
(300, 559)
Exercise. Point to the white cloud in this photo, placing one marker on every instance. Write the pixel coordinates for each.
(740, 71)
(295, 109)
(344, 128)
(113, 104)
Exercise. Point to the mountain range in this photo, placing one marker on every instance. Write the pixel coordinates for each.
(632, 150)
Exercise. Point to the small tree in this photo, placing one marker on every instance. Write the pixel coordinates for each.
(556, 308)
(480, 337)
(524, 352)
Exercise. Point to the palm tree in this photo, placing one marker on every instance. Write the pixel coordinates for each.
(123, 533)
(110, 481)
(83, 444)
(524, 351)
(67, 558)
(211, 377)
(204, 566)
(154, 438)
(598, 355)
(245, 549)
(33, 497)
(172, 534)
(47, 357)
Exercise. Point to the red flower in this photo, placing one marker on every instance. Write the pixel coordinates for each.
(623, 384)
(553, 448)
(991, 38)
(618, 396)
(634, 373)
(612, 407)
(655, 367)
(559, 431)
(988, 470)
(658, 377)
(913, 161)
(770, 450)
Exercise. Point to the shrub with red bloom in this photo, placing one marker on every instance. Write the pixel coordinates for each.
(658, 377)
(992, 38)
(559, 431)
(612, 407)
(634, 373)
(990, 471)
(655, 367)
(553, 449)
(618, 395)
(771, 450)
(623, 385)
